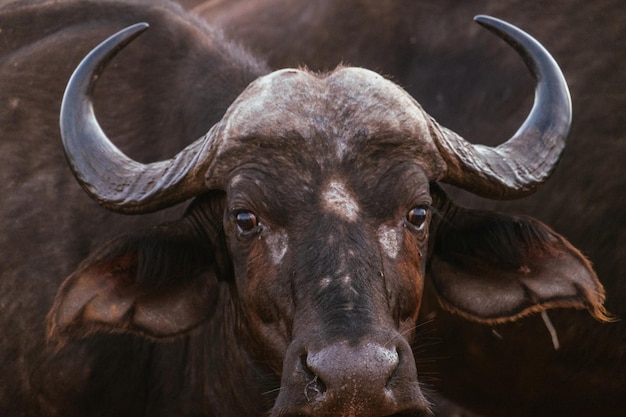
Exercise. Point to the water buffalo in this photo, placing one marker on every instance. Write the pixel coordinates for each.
(292, 283)
(305, 249)
(467, 82)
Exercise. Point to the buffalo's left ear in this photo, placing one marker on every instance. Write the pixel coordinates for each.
(157, 283)
(492, 268)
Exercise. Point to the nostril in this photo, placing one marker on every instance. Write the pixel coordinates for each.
(315, 387)
(304, 366)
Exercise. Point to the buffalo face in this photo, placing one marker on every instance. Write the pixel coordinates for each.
(330, 292)
(327, 248)
(316, 222)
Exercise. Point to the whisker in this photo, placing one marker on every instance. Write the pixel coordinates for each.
(272, 391)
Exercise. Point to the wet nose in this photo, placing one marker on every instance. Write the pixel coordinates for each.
(351, 378)
(342, 369)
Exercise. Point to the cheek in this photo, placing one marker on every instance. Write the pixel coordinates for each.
(268, 279)
(261, 287)
(410, 266)
(409, 301)
(410, 291)
(266, 299)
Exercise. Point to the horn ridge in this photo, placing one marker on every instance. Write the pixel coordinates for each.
(114, 180)
(517, 167)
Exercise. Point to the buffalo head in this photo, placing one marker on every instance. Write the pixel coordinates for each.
(316, 220)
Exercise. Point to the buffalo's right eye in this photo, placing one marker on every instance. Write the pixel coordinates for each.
(246, 221)
(417, 217)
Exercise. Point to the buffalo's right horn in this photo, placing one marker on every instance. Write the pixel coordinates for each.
(525, 161)
(113, 179)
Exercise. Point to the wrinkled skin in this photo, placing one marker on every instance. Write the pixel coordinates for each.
(470, 84)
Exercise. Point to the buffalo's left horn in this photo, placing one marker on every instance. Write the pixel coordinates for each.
(110, 177)
(525, 161)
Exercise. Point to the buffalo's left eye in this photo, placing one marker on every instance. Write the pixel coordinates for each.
(246, 221)
(417, 217)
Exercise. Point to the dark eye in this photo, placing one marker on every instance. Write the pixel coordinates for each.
(246, 221)
(417, 217)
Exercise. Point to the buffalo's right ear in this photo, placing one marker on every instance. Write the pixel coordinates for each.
(158, 284)
(492, 268)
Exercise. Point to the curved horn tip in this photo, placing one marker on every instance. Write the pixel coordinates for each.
(99, 58)
(495, 24)
(505, 30)
(484, 19)
(132, 30)
(114, 43)
(136, 29)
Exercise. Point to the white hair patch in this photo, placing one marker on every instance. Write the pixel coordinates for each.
(389, 240)
(278, 243)
(337, 199)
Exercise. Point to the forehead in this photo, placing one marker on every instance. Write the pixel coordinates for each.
(306, 101)
(350, 115)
